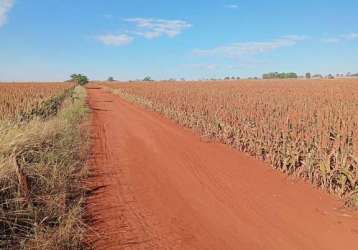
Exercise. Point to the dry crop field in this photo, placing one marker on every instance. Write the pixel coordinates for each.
(305, 128)
(16, 99)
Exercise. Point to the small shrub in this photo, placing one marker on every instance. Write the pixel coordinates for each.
(79, 79)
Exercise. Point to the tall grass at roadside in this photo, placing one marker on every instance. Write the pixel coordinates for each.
(41, 169)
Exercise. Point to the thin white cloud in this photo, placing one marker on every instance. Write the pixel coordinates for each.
(231, 6)
(148, 28)
(350, 36)
(236, 50)
(115, 40)
(5, 7)
(154, 28)
(341, 38)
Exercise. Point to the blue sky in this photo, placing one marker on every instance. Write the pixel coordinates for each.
(47, 40)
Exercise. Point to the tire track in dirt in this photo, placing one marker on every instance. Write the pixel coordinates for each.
(163, 188)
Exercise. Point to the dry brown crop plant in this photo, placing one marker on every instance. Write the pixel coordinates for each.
(305, 128)
(17, 99)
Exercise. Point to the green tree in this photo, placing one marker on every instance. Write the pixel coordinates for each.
(79, 79)
(308, 75)
(110, 79)
(147, 79)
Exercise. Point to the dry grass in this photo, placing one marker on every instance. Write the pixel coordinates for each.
(304, 128)
(41, 167)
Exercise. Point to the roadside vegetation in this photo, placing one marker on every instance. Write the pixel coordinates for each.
(43, 148)
(304, 128)
(79, 79)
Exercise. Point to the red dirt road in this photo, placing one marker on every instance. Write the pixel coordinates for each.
(164, 188)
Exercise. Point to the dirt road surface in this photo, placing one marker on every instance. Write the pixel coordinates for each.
(162, 187)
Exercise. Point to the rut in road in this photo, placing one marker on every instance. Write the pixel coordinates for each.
(164, 188)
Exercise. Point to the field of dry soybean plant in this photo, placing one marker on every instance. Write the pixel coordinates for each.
(305, 128)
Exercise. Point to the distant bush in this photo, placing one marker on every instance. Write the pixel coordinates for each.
(79, 79)
(147, 79)
(110, 79)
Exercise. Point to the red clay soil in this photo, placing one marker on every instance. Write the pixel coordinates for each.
(164, 188)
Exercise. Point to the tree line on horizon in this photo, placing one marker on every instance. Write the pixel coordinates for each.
(308, 75)
(82, 79)
(277, 75)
